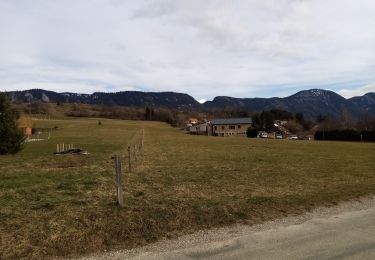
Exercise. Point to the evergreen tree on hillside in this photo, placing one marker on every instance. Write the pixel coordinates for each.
(11, 137)
(148, 113)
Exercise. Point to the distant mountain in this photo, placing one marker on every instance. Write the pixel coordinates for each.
(127, 98)
(311, 102)
(365, 103)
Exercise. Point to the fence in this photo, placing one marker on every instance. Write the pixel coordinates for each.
(134, 151)
(61, 148)
(39, 136)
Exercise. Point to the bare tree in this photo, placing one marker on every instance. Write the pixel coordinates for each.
(346, 119)
(366, 122)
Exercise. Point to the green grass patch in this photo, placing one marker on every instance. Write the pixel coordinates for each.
(65, 205)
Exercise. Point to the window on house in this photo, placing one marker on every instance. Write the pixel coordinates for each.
(232, 127)
(215, 127)
(239, 126)
(223, 127)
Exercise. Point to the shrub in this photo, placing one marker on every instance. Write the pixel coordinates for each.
(345, 135)
(252, 132)
(368, 136)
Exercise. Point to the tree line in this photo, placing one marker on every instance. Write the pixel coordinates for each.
(325, 128)
(11, 136)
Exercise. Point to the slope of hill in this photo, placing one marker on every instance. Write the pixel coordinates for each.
(365, 103)
(311, 102)
(125, 98)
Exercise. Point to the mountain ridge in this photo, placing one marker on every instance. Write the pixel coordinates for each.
(311, 103)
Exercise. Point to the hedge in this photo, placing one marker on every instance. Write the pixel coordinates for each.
(345, 135)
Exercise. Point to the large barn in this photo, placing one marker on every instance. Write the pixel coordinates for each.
(230, 126)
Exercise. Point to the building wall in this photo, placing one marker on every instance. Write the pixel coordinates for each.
(230, 130)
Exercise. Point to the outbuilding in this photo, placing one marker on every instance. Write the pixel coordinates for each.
(201, 129)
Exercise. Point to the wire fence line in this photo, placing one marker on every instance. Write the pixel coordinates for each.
(132, 157)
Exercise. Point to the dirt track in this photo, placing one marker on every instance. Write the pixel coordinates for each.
(343, 232)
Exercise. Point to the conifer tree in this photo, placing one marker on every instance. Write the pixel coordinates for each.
(11, 137)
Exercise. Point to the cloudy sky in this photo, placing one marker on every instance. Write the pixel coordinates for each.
(243, 48)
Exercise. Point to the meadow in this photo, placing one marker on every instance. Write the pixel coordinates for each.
(65, 205)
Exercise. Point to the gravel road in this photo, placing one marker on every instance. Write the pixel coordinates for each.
(346, 231)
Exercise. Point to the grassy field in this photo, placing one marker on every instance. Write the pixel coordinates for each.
(65, 205)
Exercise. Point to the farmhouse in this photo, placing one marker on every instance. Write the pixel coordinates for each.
(230, 126)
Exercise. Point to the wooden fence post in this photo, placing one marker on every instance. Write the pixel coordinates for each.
(143, 135)
(135, 152)
(129, 158)
(118, 180)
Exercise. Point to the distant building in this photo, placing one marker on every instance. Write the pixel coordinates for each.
(201, 129)
(279, 126)
(280, 122)
(193, 121)
(229, 126)
(26, 125)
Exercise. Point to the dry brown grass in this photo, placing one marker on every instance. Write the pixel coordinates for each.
(65, 205)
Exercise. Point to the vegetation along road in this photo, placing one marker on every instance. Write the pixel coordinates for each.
(64, 205)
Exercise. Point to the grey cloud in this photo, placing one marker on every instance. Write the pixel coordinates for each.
(204, 48)
(155, 9)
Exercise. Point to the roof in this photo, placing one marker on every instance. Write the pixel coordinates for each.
(200, 125)
(232, 121)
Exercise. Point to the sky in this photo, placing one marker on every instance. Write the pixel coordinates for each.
(238, 48)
